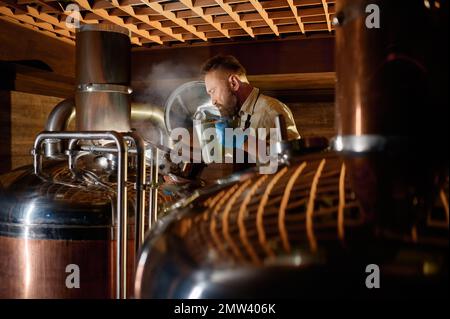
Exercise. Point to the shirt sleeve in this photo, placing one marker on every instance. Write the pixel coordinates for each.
(279, 108)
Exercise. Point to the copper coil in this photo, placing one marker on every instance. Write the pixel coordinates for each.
(300, 208)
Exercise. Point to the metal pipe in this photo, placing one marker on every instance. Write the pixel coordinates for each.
(70, 150)
(122, 147)
(139, 150)
(153, 197)
(61, 115)
(154, 189)
(101, 149)
(140, 189)
(103, 78)
(58, 120)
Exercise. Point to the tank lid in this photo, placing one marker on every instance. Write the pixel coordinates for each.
(39, 209)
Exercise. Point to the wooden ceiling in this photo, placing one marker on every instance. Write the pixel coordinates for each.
(178, 22)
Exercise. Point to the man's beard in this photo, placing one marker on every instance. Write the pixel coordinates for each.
(229, 108)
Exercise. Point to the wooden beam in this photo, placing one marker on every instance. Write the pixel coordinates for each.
(65, 35)
(130, 2)
(233, 15)
(172, 16)
(225, 19)
(47, 7)
(232, 25)
(36, 29)
(316, 27)
(208, 18)
(205, 3)
(297, 17)
(44, 17)
(174, 6)
(281, 14)
(325, 8)
(116, 20)
(294, 81)
(265, 16)
(275, 4)
(200, 21)
(247, 6)
(310, 11)
(154, 24)
(307, 2)
(280, 22)
(213, 11)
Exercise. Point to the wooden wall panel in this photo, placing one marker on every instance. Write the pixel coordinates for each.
(18, 43)
(262, 57)
(314, 118)
(5, 131)
(154, 72)
(28, 116)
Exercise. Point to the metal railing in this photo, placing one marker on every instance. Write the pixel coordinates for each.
(122, 150)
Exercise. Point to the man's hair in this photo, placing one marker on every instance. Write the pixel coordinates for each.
(224, 62)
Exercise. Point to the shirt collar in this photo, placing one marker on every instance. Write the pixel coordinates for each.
(249, 103)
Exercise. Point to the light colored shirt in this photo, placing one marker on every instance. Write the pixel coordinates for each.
(263, 110)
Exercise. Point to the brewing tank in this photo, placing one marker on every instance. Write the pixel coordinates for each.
(60, 217)
(299, 233)
(52, 229)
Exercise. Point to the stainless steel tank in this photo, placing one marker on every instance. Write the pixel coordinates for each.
(298, 233)
(64, 223)
(48, 227)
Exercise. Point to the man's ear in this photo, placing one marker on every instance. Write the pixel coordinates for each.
(234, 82)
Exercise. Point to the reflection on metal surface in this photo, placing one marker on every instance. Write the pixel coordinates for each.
(27, 260)
(107, 88)
(148, 120)
(368, 143)
(111, 111)
(103, 79)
